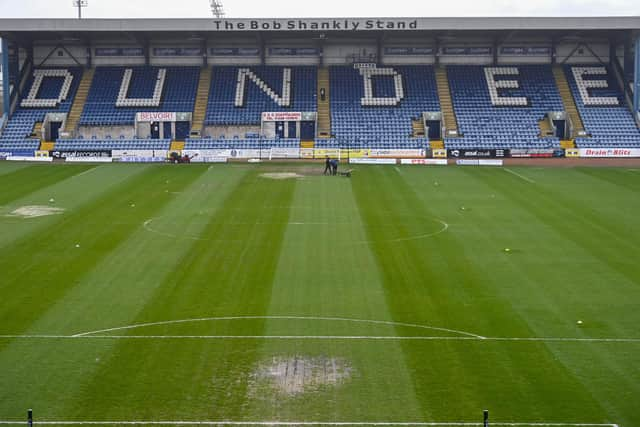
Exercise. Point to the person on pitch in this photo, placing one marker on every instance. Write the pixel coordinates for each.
(327, 165)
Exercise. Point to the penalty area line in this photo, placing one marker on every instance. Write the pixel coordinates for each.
(313, 423)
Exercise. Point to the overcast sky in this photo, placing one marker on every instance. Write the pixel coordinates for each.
(318, 8)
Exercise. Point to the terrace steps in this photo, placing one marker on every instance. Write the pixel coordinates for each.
(436, 145)
(324, 108)
(202, 98)
(177, 146)
(567, 144)
(307, 144)
(568, 100)
(446, 103)
(545, 128)
(417, 128)
(78, 103)
(37, 130)
(47, 145)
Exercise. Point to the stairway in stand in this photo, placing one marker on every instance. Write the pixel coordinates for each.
(47, 146)
(37, 130)
(73, 118)
(324, 109)
(446, 104)
(307, 144)
(568, 100)
(436, 145)
(417, 128)
(177, 145)
(202, 98)
(545, 128)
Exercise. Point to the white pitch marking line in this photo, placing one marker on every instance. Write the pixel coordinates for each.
(328, 337)
(397, 169)
(311, 423)
(444, 228)
(86, 172)
(335, 319)
(529, 180)
(147, 226)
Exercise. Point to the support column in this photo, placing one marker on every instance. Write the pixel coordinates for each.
(636, 82)
(205, 53)
(613, 57)
(29, 50)
(147, 53)
(6, 77)
(628, 54)
(262, 47)
(89, 56)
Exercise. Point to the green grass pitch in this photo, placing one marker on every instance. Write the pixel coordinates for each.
(202, 293)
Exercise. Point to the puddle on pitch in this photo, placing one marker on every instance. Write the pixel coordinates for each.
(34, 211)
(293, 376)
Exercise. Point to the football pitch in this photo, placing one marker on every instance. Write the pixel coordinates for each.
(403, 296)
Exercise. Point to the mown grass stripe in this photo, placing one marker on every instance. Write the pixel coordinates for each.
(432, 279)
(575, 221)
(55, 263)
(328, 285)
(10, 167)
(112, 292)
(212, 277)
(28, 179)
(68, 194)
(617, 177)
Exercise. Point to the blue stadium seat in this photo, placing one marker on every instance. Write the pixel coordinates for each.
(112, 144)
(246, 144)
(381, 121)
(484, 125)
(610, 126)
(178, 95)
(379, 126)
(221, 107)
(16, 135)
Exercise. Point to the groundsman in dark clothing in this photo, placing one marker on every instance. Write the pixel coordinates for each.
(327, 165)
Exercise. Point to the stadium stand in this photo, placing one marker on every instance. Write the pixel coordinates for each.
(261, 91)
(601, 104)
(48, 90)
(112, 144)
(369, 106)
(251, 143)
(504, 115)
(165, 89)
(376, 109)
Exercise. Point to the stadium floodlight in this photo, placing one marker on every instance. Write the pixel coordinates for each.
(80, 4)
(216, 8)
